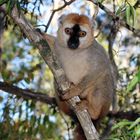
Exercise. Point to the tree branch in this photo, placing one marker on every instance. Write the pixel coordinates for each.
(111, 38)
(44, 98)
(27, 94)
(137, 4)
(129, 115)
(47, 52)
(111, 14)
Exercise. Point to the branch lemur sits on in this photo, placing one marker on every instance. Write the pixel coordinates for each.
(86, 66)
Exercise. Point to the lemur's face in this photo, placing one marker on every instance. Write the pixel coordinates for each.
(75, 31)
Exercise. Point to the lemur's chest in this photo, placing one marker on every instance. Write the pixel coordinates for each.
(74, 65)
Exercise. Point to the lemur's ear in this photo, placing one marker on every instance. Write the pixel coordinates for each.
(61, 18)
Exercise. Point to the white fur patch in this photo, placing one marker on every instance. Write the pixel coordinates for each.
(74, 63)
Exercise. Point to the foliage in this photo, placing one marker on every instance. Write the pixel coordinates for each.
(134, 82)
(22, 66)
(125, 130)
(20, 120)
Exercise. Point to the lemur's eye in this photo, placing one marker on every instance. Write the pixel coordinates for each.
(82, 33)
(68, 31)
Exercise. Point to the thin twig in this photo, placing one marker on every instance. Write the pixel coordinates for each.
(95, 13)
(107, 130)
(137, 4)
(56, 10)
(111, 38)
(65, 121)
(114, 7)
(50, 19)
(100, 29)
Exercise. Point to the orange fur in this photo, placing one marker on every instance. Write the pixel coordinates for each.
(77, 19)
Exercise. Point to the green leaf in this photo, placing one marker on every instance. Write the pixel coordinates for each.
(6, 75)
(2, 2)
(127, 14)
(101, 1)
(136, 122)
(137, 132)
(133, 14)
(120, 9)
(10, 4)
(27, 80)
(1, 99)
(133, 82)
(121, 124)
(46, 119)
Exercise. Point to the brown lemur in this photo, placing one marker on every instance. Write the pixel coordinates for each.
(86, 66)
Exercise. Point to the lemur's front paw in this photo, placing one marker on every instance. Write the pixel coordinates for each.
(66, 96)
(74, 91)
(82, 105)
